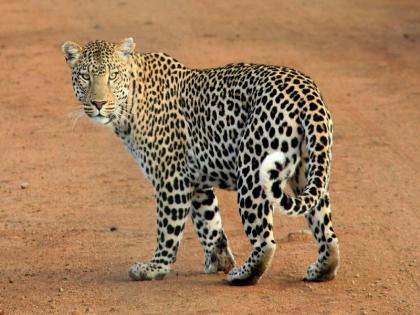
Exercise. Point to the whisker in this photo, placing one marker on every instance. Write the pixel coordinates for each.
(75, 116)
(81, 114)
(74, 113)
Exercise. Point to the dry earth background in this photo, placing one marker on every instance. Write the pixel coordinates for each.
(58, 254)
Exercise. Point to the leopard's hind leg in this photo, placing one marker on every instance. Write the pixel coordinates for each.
(256, 216)
(319, 221)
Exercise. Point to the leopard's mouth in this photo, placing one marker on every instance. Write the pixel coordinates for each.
(102, 119)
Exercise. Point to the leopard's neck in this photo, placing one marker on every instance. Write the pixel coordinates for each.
(152, 112)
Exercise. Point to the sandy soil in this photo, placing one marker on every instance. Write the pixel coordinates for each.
(58, 254)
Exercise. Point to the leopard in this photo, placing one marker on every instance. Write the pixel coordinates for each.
(261, 130)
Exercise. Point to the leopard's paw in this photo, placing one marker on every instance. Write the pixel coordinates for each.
(148, 271)
(219, 260)
(242, 276)
(325, 268)
(251, 272)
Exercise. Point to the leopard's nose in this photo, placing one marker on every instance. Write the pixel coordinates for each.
(99, 104)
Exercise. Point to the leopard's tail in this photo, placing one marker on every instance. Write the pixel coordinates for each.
(277, 168)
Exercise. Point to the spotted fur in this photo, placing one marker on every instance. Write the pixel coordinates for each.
(244, 127)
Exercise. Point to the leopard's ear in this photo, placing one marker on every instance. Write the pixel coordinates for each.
(72, 52)
(126, 47)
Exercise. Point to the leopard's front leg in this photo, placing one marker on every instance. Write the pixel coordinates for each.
(207, 221)
(173, 199)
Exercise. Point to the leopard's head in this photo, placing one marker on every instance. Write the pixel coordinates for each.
(100, 75)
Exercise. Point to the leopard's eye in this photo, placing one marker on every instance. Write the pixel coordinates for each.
(113, 75)
(85, 76)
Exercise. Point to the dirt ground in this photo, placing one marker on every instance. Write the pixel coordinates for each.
(58, 254)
